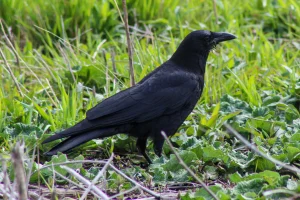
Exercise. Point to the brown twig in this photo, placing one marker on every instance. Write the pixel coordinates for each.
(279, 191)
(86, 182)
(17, 158)
(156, 195)
(9, 41)
(72, 182)
(11, 73)
(113, 61)
(135, 183)
(119, 11)
(31, 72)
(124, 192)
(215, 10)
(181, 162)
(106, 73)
(131, 71)
(253, 148)
(43, 63)
(67, 61)
(6, 181)
(99, 175)
(30, 166)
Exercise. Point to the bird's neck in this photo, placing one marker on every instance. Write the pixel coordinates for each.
(193, 62)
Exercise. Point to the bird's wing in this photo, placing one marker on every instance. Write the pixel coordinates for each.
(160, 94)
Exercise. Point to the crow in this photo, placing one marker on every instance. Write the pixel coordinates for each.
(161, 101)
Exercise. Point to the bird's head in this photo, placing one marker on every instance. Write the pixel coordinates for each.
(203, 41)
(196, 46)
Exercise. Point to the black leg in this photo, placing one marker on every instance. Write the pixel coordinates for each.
(141, 146)
(158, 145)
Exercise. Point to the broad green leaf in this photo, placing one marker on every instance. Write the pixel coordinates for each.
(295, 138)
(270, 99)
(269, 176)
(211, 172)
(227, 116)
(25, 129)
(240, 159)
(292, 153)
(187, 156)
(253, 186)
(180, 175)
(210, 153)
(264, 164)
(159, 174)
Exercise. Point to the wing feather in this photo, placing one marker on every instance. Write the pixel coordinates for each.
(157, 95)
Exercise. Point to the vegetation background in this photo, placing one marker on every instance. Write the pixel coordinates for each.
(59, 58)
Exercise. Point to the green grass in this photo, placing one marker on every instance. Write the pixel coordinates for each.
(252, 83)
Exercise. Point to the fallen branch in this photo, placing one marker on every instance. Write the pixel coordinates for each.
(131, 71)
(11, 73)
(253, 148)
(181, 162)
(156, 195)
(72, 182)
(86, 182)
(99, 175)
(20, 178)
(136, 183)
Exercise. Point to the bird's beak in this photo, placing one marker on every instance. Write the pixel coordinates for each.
(221, 37)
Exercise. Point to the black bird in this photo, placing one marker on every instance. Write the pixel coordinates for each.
(161, 101)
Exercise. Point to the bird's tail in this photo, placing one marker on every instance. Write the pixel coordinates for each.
(76, 140)
(82, 127)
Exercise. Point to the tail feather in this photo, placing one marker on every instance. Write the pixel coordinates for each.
(76, 140)
(81, 127)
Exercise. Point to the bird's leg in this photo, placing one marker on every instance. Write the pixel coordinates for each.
(141, 146)
(158, 145)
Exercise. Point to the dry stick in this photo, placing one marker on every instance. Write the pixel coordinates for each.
(215, 10)
(68, 62)
(5, 180)
(82, 51)
(119, 11)
(136, 183)
(67, 44)
(30, 166)
(132, 82)
(106, 72)
(85, 181)
(5, 193)
(53, 192)
(139, 32)
(72, 182)
(103, 163)
(124, 192)
(113, 55)
(33, 195)
(52, 91)
(9, 40)
(39, 57)
(20, 177)
(32, 72)
(279, 191)
(38, 169)
(99, 175)
(253, 148)
(181, 162)
(11, 73)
